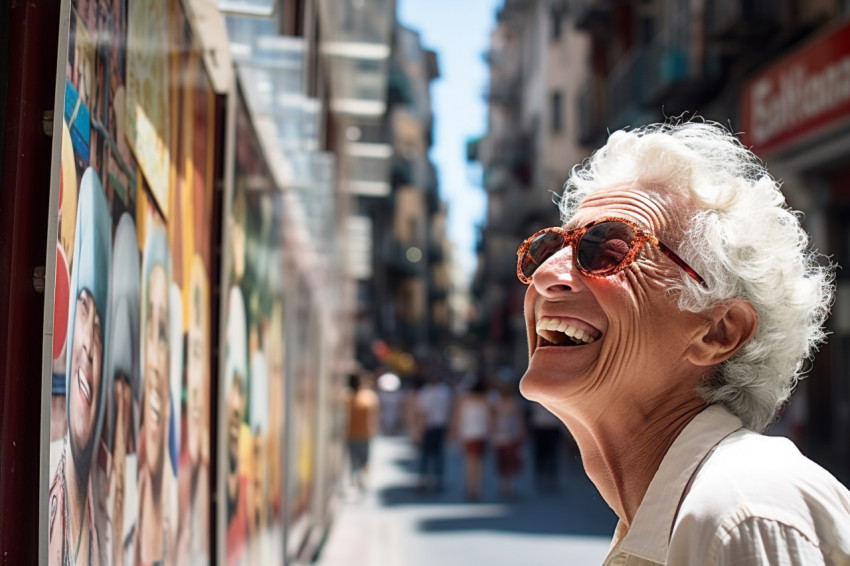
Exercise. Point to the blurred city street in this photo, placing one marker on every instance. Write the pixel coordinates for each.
(392, 523)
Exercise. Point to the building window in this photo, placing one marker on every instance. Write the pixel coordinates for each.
(557, 24)
(557, 112)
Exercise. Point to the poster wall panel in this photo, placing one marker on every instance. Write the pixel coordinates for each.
(252, 406)
(302, 445)
(130, 387)
(147, 113)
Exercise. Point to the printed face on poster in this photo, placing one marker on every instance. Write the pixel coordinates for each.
(131, 372)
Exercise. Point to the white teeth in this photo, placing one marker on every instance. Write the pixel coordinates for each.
(84, 385)
(557, 325)
(550, 324)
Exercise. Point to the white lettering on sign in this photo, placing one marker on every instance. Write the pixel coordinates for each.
(796, 97)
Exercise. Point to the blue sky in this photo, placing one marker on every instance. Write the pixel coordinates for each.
(459, 31)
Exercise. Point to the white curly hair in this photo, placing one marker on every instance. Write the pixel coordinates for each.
(741, 237)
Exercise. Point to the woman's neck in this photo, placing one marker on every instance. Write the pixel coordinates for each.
(622, 448)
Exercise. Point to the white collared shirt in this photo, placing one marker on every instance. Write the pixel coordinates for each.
(435, 403)
(726, 495)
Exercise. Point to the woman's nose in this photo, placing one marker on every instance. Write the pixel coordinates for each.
(556, 275)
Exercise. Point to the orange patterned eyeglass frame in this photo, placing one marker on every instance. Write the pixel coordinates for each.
(574, 237)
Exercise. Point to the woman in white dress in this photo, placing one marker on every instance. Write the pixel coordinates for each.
(471, 427)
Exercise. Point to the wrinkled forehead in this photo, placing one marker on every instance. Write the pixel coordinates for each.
(656, 210)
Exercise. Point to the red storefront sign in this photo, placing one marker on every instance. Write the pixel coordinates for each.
(800, 96)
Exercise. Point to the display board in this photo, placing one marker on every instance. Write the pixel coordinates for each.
(129, 465)
(302, 442)
(253, 409)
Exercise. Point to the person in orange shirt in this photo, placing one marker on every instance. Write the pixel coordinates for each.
(363, 411)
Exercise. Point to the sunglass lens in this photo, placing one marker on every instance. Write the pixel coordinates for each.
(604, 246)
(541, 248)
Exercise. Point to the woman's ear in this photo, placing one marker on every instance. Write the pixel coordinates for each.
(729, 326)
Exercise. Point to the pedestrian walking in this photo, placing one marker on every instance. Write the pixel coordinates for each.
(470, 427)
(363, 415)
(546, 433)
(508, 437)
(433, 409)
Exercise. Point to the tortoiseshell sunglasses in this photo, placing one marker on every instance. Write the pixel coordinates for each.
(600, 249)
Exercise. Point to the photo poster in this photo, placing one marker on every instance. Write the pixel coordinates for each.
(335, 411)
(147, 113)
(253, 395)
(302, 456)
(131, 310)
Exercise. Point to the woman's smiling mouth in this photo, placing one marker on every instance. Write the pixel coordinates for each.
(565, 332)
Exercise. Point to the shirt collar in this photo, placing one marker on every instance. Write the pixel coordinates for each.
(649, 535)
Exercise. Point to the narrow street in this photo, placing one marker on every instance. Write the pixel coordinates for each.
(394, 524)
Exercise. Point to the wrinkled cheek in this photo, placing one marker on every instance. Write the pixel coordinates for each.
(528, 313)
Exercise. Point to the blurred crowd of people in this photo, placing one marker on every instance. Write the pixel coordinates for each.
(482, 415)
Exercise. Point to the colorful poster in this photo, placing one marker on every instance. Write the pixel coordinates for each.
(304, 413)
(253, 397)
(130, 390)
(147, 112)
(334, 411)
(193, 131)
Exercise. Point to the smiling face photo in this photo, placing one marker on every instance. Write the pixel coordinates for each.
(85, 378)
(156, 370)
(197, 372)
(89, 299)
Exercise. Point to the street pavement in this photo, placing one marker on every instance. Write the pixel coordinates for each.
(392, 523)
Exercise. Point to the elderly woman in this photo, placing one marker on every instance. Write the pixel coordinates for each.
(668, 320)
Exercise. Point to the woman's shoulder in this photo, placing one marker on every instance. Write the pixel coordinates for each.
(749, 478)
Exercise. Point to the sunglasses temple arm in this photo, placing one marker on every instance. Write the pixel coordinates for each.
(681, 263)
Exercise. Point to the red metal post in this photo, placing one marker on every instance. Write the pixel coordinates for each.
(31, 51)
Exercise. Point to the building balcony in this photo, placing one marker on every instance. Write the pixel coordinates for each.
(399, 89)
(511, 162)
(497, 177)
(402, 171)
(504, 92)
(627, 90)
(432, 188)
(681, 73)
(592, 15)
(367, 167)
(592, 113)
(436, 293)
(404, 261)
(736, 25)
(436, 253)
(360, 73)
